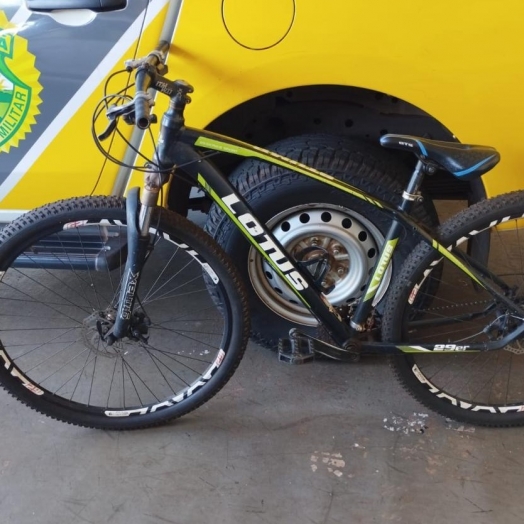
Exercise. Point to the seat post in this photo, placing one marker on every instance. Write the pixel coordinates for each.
(411, 193)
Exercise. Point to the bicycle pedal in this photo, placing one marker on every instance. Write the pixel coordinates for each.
(297, 350)
(300, 343)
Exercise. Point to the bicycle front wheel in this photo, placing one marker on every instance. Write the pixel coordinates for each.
(433, 302)
(61, 270)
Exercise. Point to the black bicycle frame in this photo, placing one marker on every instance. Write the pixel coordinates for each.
(177, 147)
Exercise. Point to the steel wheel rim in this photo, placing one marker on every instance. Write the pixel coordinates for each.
(356, 238)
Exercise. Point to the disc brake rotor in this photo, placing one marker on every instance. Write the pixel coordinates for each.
(98, 324)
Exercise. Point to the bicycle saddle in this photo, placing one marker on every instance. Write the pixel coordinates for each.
(462, 160)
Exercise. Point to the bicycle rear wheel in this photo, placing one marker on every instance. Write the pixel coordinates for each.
(62, 265)
(449, 308)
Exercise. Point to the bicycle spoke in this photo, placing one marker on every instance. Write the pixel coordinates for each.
(62, 367)
(169, 280)
(45, 303)
(161, 273)
(79, 372)
(178, 318)
(188, 337)
(111, 383)
(167, 294)
(160, 371)
(153, 357)
(129, 367)
(50, 357)
(61, 300)
(92, 381)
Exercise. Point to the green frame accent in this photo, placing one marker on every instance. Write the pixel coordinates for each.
(274, 158)
(380, 268)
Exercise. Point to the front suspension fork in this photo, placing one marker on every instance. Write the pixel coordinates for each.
(139, 212)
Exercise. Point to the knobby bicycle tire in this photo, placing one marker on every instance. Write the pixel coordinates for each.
(451, 310)
(61, 267)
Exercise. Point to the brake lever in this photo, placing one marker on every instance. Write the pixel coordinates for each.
(127, 111)
(108, 131)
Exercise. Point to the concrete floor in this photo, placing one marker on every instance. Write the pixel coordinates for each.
(321, 443)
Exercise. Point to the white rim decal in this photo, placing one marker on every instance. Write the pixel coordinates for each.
(190, 390)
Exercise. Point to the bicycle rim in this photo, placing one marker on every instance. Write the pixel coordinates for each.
(449, 309)
(59, 295)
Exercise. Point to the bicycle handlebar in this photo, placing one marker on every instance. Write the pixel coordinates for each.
(149, 72)
(147, 69)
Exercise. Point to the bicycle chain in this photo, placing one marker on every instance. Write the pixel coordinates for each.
(474, 303)
(516, 347)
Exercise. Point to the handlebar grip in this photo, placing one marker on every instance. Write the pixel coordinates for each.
(145, 76)
(142, 110)
(142, 103)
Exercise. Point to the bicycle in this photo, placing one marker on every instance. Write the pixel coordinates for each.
(141, 288)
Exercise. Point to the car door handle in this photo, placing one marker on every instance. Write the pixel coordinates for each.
(93, 5)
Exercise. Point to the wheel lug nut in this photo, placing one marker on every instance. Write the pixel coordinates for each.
(314, 241)
(340, 270)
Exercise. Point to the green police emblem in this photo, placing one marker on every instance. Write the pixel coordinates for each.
(19, 87)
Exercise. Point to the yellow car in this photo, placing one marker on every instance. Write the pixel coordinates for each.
(320, 82)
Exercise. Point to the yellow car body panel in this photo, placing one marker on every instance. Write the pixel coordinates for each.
(462, 64)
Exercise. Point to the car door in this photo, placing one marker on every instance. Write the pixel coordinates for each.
(52, 68)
